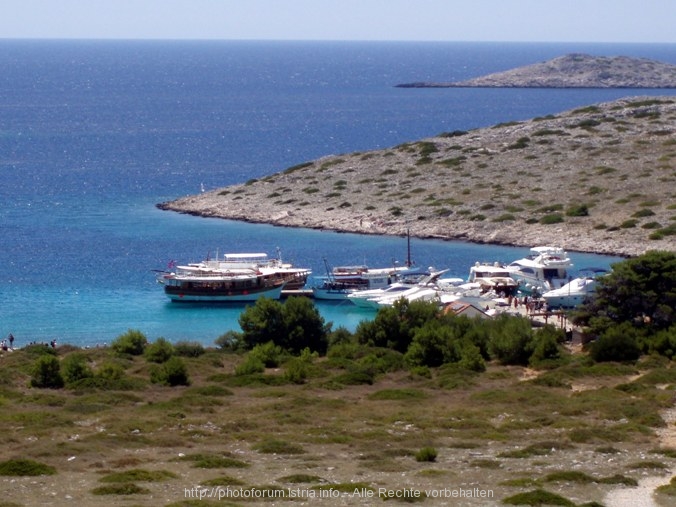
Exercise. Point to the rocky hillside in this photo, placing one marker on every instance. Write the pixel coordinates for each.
(576, 71)
(598, 179)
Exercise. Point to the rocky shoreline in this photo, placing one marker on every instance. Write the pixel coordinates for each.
(600, 179)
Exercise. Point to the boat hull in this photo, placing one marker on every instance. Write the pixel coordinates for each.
(331, 294)
(566, 301)
(179, 295)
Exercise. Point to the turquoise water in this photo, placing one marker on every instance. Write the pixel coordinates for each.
(94, 134)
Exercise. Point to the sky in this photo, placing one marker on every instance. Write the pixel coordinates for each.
(635, 21)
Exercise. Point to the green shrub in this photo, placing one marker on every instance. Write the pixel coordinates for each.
(618, 343)
(519, 144)
(293, 326)
(537, 497)
(426, 454)
(578, 210)
(74, 367)
(38, 350)
(231, 341)
(274, 446)
(651, 225)
(268, 353)
(398, 394)
(251, 364)
(172, 373)
(132, 342)
(111, 371)
(159, 351)
(553, 218)
(668, 489)
(24, 468)
(188, 349)
(214, 461)
(644, 212)
(125, 488)
(298, 368)
(510, 340)
(138, 474)
(46, 373)
(505, 217)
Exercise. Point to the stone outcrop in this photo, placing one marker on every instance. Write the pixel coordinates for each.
(597, 179)
(574, 71)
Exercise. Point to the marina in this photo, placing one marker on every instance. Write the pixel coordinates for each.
(490, 288)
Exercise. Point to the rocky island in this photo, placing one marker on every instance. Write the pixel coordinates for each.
(574, 71)
(597, 179)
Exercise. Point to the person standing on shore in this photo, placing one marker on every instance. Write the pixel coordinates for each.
(11, 341)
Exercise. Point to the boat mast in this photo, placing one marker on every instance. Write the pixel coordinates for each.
(408, 248)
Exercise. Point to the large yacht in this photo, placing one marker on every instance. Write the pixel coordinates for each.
(544, 269)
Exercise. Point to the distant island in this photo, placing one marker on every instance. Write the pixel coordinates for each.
(573, 71)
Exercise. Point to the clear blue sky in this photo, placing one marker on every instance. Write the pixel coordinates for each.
(423, 20)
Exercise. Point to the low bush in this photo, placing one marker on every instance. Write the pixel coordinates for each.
(537, 497)
(159, 351)
(25, 468)
(171, 373)
(274, 446)
(426, 454)
(74, 367)
(251, 364)
(553, 218)
(214, 461)
(188, 349)
(132, 342)
(120, 489)
(46, 373)
(138, 474)
(618, 343)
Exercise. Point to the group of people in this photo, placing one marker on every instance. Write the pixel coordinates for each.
(8, 343)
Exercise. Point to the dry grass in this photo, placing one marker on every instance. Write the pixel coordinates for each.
(489, 431)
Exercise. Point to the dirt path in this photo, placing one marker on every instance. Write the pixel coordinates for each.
(642, 496)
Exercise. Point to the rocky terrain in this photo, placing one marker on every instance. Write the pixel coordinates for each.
(575, 71)
(597, 179)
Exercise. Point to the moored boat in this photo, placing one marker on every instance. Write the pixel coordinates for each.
(236, 286)
(427, 289)
(493, 277)
(234, 278)
(360, 298)
(342, 281)
(575, 292)
(544, 269)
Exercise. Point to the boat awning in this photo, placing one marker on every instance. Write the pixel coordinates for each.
(240, 256)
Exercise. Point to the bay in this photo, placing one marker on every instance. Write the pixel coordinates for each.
(94, 133)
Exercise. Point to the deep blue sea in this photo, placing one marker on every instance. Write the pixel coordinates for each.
(94, 133)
